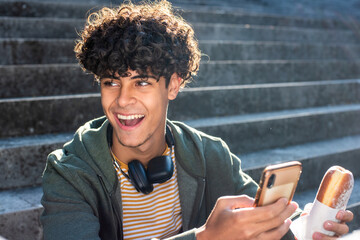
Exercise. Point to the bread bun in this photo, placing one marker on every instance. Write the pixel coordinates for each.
(335, 188)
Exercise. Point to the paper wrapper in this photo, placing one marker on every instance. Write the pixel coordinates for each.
(305, 226)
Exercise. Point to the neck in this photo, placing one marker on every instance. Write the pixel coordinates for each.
(144, 153)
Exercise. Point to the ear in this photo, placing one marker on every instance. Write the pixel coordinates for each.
(174, 86)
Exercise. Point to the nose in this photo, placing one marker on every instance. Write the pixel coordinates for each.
(125, 97)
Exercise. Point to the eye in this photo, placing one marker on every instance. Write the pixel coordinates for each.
(109, 83)
(142, 83)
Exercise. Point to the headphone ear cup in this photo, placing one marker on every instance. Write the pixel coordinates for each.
(138, 177)
(160, 169)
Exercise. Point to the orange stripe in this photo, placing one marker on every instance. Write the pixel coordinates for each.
(140, 220)
(158, 199)
(159, 229)
(151, 221)
(157, 214)
(145, 211)
(152, 196)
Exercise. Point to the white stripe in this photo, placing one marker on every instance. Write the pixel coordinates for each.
(134, 219)
(162, 223)
(154, 211)
(167, 229)
(155, 233)
(134, 205)
(162, 208)
(150, 197)
(156, 196)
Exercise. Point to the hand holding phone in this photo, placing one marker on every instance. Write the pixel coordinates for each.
(278, 181)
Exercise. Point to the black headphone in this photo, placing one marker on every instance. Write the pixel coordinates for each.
(159, 169)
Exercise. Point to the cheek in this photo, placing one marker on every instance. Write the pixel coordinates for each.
(157, 104)
(103, 101)
(106, 101)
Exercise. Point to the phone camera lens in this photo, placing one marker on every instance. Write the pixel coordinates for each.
(271, 181)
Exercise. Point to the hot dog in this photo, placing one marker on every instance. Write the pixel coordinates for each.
(335, 188)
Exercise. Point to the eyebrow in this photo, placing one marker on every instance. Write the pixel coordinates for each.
(143, 76)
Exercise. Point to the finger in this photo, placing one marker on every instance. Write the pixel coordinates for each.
(276, 233)
(345, 216)
(259, 214)
(320, 236)
(234, 202)
(307, 209)
(272, 210)
(276, 221)
(280, 207)
(338, 228)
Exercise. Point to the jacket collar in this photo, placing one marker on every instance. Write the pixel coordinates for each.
(191, 173)
(93, 138)
(189, 162)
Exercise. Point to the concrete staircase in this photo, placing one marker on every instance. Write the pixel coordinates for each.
(275, 88)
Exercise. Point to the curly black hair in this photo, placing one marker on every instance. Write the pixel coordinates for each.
(147, 37)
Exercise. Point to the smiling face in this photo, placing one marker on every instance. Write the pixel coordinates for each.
(136, 107)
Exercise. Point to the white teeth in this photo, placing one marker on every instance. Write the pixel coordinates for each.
(129, 117)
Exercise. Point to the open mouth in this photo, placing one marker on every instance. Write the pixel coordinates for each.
(130, 120)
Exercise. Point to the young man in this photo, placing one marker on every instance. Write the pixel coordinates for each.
(134, 174)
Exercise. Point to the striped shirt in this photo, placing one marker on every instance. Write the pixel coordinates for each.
(155, 215)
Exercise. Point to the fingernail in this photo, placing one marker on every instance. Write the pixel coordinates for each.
(328, 225)
(317, 236)
(340, 215)
(295, 204)
(288, 221)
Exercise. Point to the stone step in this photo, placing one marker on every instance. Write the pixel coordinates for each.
(23, 159)
(41, 115)
(197, 14)
(240, 50)
(33, 80)
(36, 51)
(301, 8)
(298, 8)
(52, 9)
(44, 80)
(273, 128)
(255, 98)
(254, 132)
(40, 51)
(316, 157)
(216, 73)
(19, 214)
(247, 32)
(253, 18)
(22, 27)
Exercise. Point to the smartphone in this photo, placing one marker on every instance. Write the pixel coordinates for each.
(278, 181)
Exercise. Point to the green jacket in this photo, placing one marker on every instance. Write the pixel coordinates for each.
(82, 198)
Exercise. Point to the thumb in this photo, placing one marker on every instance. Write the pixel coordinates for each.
(234, 202)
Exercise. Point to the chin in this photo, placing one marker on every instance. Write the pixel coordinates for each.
(130, 145)
(126, 142)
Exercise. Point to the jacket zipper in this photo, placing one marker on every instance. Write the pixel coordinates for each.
(195, 216)
(115, 206)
